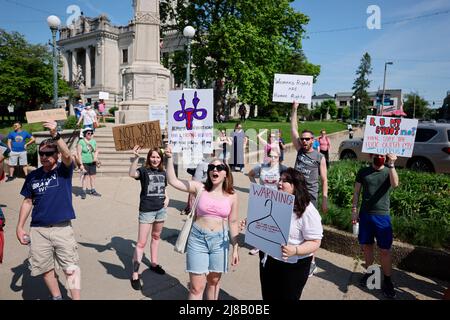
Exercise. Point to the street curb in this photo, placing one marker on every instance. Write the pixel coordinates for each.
(421, 260)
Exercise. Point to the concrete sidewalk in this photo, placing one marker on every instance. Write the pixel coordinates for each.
(106, 229)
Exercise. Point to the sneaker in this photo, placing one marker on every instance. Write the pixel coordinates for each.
(56, 298)
(10, 179)
(363, 280)
(158, 269)
(83, 195)
(95, 193)
(136, 284)
(388, 289)
(312, 269)
(253, 251)
(242, 169)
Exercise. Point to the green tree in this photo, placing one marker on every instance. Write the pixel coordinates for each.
(415, 105)
(346, 113)
(328, 106)
(240, 44)
(26, 72)
(361, 85)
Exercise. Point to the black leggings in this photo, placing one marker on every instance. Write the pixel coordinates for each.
(281, 280)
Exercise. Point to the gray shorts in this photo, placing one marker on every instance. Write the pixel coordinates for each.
(18, 158)
(153, 216)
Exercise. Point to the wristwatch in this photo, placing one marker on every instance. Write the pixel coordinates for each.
(57, 137)
(390, 166)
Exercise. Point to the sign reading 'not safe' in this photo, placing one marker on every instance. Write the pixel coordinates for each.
(145, 134)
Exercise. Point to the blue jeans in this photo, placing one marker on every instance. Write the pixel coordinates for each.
(207, 251)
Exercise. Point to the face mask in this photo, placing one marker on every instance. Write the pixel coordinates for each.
(378, 161)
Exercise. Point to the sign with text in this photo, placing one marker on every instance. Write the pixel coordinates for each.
(385, 135)
(158, 113)
(191, 124)
(291, 87)
(145, 134)
(46, 115)
(103, 95)
(269, 219)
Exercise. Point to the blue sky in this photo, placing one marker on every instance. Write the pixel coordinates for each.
(414, 35)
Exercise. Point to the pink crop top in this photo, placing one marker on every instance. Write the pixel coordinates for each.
(211, 207)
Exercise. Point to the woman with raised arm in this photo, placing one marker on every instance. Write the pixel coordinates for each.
(216, 215)
(152, 209)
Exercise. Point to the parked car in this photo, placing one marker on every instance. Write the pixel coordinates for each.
(431, 151)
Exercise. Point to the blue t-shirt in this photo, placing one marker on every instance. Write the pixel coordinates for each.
(51, 193)
(18, 140)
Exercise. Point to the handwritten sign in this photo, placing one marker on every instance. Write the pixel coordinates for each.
(158, 113)
(269, 219)
(103, 95)
(385, 135)
(46, 115)
(145, 134)
(291, 87)
(191, 124)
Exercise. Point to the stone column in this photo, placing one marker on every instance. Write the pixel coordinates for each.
(74, 64)
(65, 68)
(87, 68)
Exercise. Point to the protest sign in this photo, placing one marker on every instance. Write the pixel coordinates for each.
(158, 113)
(291, 87)
(269, 219)
(145, 134)
(385, 135)
(46, 115)
(103, 95)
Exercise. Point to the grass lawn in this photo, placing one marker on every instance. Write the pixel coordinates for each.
(6, 128)
(258, 124)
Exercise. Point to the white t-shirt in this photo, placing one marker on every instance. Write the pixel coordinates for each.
(268, 176)
(88, 116)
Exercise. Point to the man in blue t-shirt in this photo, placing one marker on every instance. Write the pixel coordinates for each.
(78, 108)
(48, 193)
(18, 145)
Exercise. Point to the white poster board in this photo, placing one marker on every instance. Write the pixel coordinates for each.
(103, 95)
(385, 135)
(191, 124)
(158, 113)
(291, 87)
(269, 219)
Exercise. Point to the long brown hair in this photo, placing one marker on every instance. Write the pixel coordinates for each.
(149, 154)
(227, 184)
(301, 193)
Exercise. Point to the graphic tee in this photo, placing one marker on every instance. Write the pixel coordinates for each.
(153, 189)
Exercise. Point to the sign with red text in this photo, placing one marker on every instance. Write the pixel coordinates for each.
(269, 219)
(385, 135)
(292, 87)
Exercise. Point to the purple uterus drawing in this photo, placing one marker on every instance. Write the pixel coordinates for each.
(189, 114)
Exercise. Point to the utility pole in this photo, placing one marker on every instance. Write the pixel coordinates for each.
(414, 106)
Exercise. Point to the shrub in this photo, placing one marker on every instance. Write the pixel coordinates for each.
(420, 206)
(71, 123)
(274, 116)
(112, 110)
(32, 154)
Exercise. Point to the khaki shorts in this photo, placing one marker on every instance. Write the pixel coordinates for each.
(18, 158)
(52, 246)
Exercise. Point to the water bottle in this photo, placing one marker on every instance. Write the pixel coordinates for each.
(355, 227)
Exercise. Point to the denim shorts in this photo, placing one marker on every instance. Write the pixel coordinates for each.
(207, 251)
(152, 216)
(375, 226)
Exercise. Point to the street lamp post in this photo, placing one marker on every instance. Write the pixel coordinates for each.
(353, 107)
(54, 22)
(357, 110)
(189, 33)
(384, 86)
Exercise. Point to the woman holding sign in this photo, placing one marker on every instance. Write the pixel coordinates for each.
(283, 279)
(152, 209)
(216, 214)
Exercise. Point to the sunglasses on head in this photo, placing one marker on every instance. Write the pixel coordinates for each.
(47, 153)
(305, 139)
(219, 167)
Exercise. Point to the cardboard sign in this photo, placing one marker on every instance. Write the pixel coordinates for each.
(385, 135)
(269, 219)
(46, 115)
(158, 113)
(291, 87)
(145, 134)
(191, 124)
(103, 95)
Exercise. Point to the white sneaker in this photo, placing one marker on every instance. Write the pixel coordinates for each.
(312, 269)
(253, 252)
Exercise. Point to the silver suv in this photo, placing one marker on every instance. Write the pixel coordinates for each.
(431, 149)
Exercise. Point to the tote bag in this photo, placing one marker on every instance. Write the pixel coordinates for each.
(180, 245)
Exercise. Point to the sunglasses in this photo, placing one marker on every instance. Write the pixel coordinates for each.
(305, 139)
(219, 167)
(47, 153)
(89, 133)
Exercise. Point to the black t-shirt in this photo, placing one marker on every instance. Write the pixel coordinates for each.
(153, 189)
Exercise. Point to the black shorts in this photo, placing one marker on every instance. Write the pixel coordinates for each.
(91, 168)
